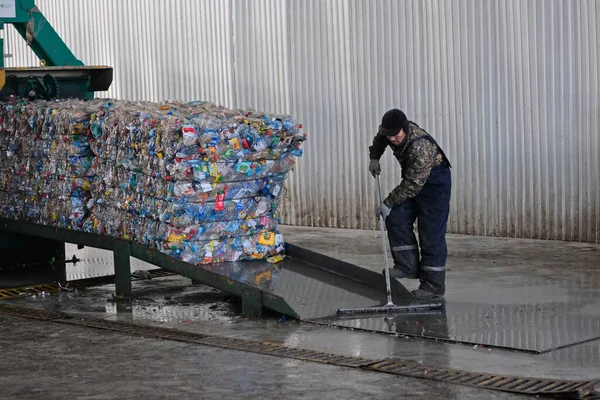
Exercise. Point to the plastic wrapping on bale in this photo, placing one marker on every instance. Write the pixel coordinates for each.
(197, 181)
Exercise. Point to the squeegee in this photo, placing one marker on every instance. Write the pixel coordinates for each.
(390, 307)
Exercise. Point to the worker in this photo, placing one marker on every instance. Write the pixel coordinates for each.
(423, 195)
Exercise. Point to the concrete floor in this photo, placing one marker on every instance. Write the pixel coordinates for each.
(486, 270)
(50, 361)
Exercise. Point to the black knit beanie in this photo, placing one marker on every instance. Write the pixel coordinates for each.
(392, 121)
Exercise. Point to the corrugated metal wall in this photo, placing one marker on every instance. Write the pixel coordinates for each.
(508, 87)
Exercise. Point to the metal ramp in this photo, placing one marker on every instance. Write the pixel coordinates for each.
(305, 285)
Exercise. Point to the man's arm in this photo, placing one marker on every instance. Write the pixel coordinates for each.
(380, 143)
(420, 160)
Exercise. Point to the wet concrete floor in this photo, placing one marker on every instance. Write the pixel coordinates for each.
(53, 361)
(482, 271)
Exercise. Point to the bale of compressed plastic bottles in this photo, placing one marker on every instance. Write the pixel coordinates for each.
(45, 167)
(197, 181)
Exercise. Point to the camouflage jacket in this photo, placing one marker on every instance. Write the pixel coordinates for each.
(418, 154)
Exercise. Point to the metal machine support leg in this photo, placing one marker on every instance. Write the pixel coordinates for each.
(122, 270)
(252, 303)
(60, 267)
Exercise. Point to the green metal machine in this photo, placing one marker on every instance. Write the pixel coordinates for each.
(61, 74)
(25, 258)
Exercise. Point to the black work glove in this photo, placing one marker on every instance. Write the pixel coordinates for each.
(374, 168)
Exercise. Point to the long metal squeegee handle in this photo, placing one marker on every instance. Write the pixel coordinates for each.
(388, 285)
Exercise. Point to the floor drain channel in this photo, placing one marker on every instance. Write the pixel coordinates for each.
(80, 284)
(30, 313)
(532, 386)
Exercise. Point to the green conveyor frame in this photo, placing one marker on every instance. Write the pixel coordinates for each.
(60, 75)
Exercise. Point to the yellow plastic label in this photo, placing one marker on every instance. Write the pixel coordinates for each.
(235, 143)
(213, 170)
(275, 259)
(267, 238)
(175, 238)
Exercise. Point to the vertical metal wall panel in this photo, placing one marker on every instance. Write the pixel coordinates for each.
(509, 89)
(321, 99)
(159, 50)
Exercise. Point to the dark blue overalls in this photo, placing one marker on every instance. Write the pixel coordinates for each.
(431, 208)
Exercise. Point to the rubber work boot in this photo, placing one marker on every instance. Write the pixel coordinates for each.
(398, 274)
(421, 294)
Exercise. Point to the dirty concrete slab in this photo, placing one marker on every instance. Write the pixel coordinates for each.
(173, 302)
(486, 271)
(53, 361)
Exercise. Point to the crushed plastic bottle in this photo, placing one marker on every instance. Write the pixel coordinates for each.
(197, 181)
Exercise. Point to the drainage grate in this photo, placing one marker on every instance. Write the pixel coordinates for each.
(31, 313)
(28, 290)
(32, 290)
(531, 386)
